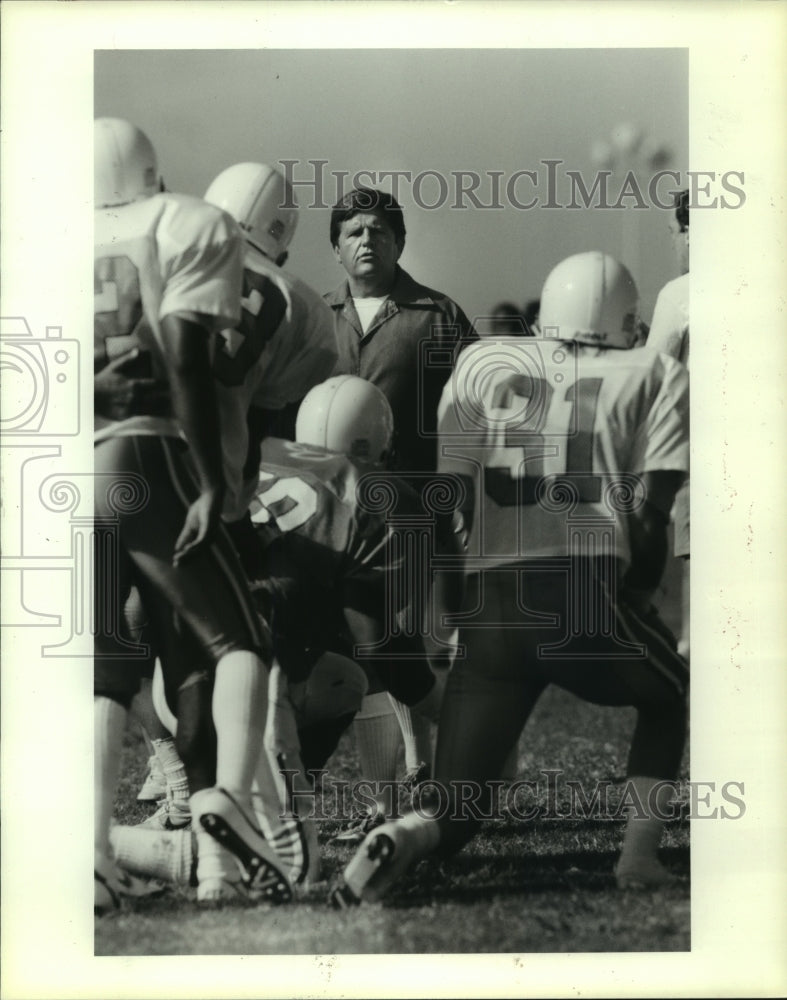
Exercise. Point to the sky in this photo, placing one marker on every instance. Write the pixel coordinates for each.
(490, 111)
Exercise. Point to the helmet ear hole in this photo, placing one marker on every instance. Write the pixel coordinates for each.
(347, 414)
(263, 203)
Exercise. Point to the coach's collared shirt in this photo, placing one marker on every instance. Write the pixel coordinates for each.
(408, 351)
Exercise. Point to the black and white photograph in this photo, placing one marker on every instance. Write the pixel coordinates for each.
(358, 615)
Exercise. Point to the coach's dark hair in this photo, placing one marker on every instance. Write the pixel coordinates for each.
(364, 199)
(682, 209)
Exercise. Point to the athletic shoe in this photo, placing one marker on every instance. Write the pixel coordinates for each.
(155, 785)
(111, 884)
(355, 831)
(384, 856)
(264, 873)
(170, 815)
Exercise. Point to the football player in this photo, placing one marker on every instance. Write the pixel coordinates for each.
(669, 333)
(332, 575)
(283, 345)
(572, 446)
(167, 279)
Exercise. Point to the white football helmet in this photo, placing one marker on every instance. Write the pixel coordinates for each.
(262, 201)
(347, 414)
(592, 298)
(125, 164)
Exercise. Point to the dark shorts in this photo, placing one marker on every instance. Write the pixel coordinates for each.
(560, 623)
(142, 493)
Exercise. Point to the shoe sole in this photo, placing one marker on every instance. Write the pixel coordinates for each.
(264, 878)
(378, 854)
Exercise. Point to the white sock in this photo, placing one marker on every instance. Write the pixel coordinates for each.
(377, 737)
(174, 771)
(164, 854)
(285, 818)
(416, 733)
(109, 722)
(240, 700)
(213, 860)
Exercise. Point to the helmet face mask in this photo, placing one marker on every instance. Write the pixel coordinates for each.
(261, 201)
(590, 298)
(126, 169)
(349, 415)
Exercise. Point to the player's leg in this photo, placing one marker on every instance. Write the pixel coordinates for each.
(208, 591)
(488, 698)
(681, 519)
(116, 681)
(653, 679)
(404, 676)
(283, 794)
(326, 704)
(659, 694)
(166, 781)
(417, 738)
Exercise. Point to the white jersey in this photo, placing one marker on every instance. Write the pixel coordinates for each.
(552, 437)
(153, 258)
(283, 345)
(669, 331)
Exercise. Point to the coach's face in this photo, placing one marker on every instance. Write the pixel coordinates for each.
(368, 251)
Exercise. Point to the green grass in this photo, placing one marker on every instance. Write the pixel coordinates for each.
(539, 886)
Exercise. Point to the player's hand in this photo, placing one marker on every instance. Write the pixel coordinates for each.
(118, 394)
(201, 522)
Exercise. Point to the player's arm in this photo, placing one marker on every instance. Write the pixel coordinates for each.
(188, 356)
(662, 444)
(119, 393)
(648, 535)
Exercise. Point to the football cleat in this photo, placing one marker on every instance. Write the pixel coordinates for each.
(373, 856)
(169, 816)
(155, 785)
(264, 873)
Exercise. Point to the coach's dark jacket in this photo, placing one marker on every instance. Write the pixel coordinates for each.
(408, 352)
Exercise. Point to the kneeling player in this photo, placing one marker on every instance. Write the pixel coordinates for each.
(572, 447)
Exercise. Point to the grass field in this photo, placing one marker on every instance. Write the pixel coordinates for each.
(540, 886)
